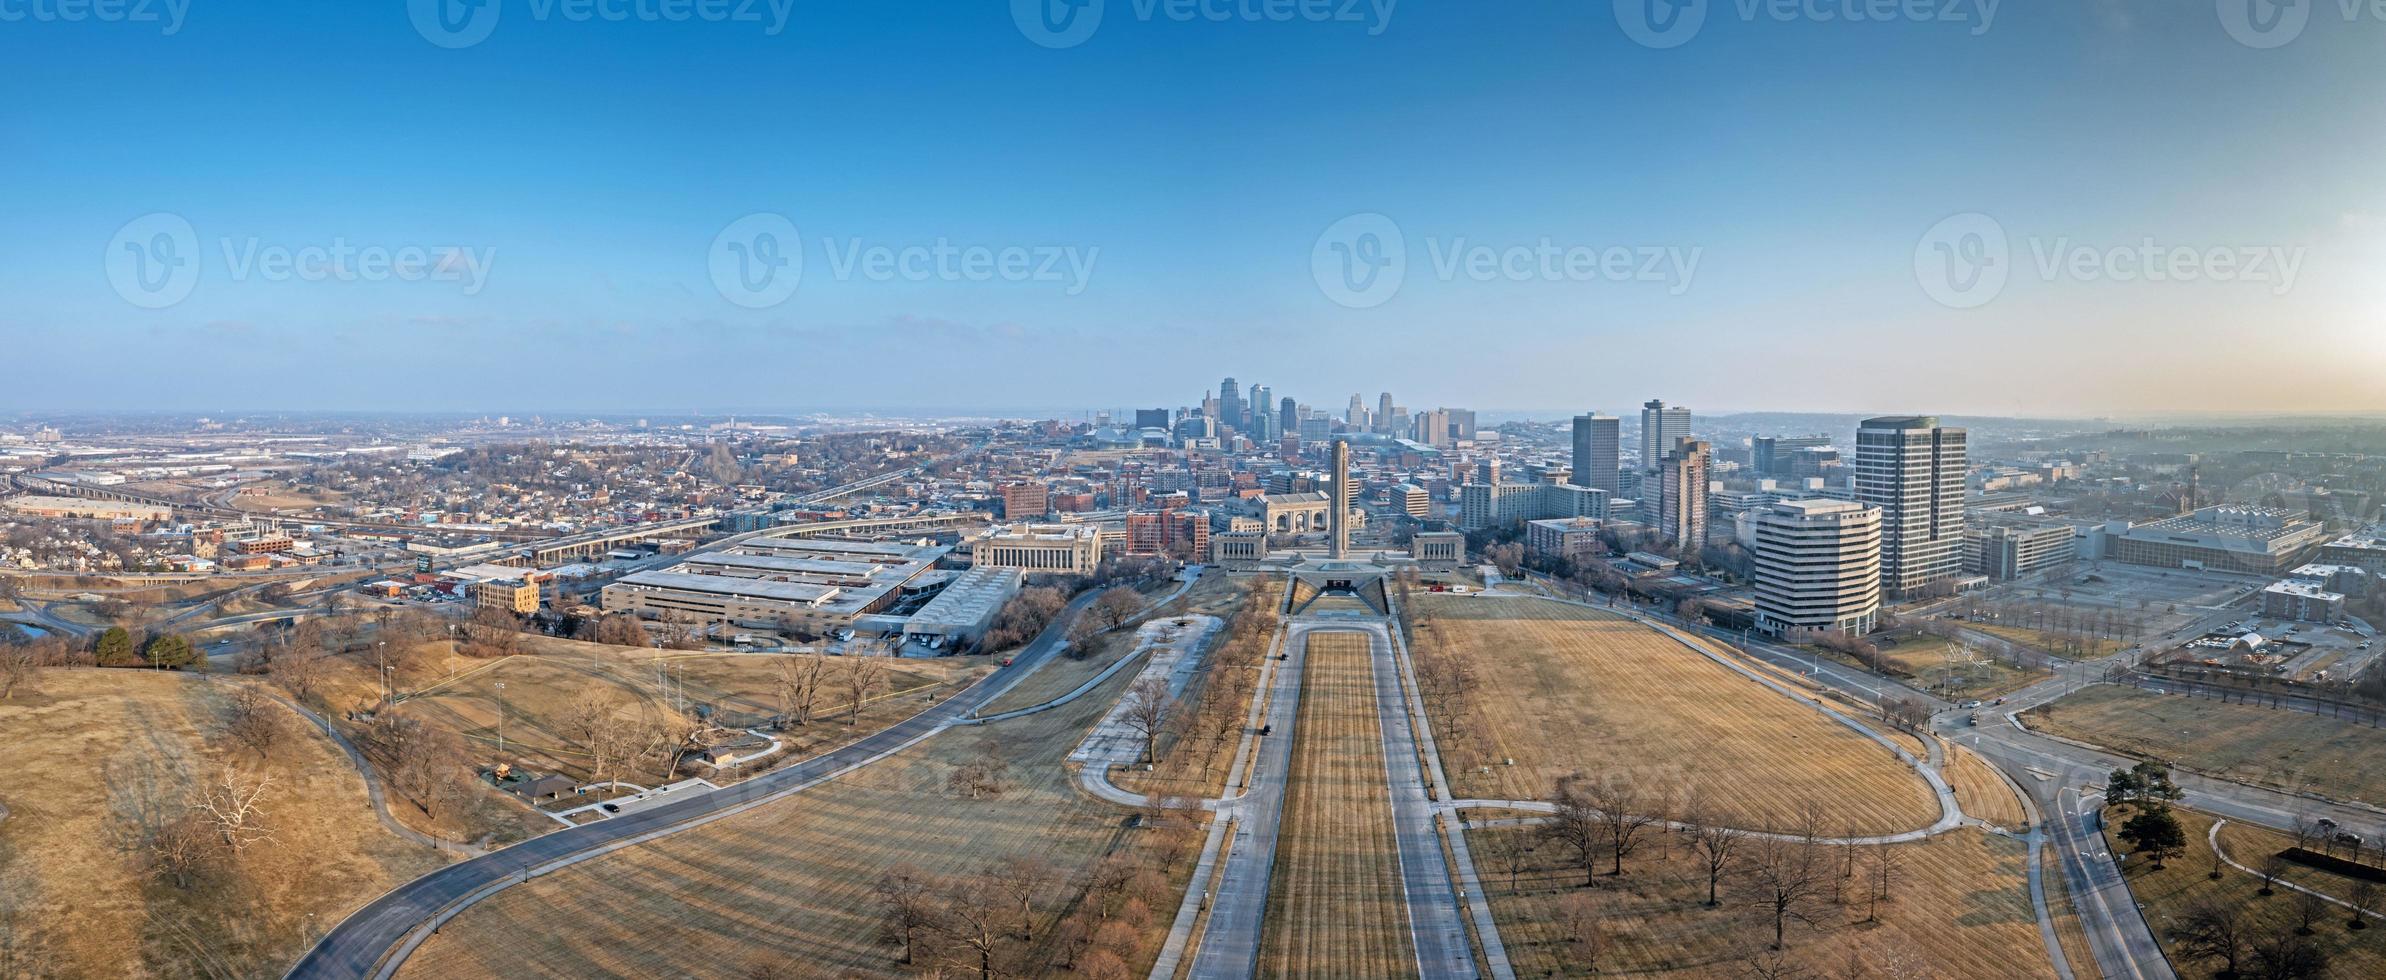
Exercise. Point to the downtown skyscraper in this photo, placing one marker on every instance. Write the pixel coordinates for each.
(1597, 445)
(1912, 468)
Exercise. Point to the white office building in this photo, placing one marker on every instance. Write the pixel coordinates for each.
(1818, 568)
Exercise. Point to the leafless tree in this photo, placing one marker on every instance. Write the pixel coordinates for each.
(2288, 955)
(1718, 848)
(974, 908)
(1623, 817)
(1025, 880)
(1885, 871)
(983, 775)
(2364, 899)
(798, 683)
(2215, 930)
(2309, 909)
(253, 720)
(232, 807)
(2272, 866)
(300, 668)
(863, 677)
(423, 763)
(594, 722)
(906, 906)
(1511, 852)
(19, 663)
(1148, 707)
(1575, 824)
(180, 849)
(1579, 917)
(1116, 607)
(1784, 879)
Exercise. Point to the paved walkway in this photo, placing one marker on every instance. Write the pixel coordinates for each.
(1229, 946)
(1435, 923)
(1114, 741)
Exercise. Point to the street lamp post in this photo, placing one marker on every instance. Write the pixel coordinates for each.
(501, 721)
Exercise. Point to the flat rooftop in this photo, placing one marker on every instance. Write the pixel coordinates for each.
(802, 593)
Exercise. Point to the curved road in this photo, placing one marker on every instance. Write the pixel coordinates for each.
(374, 940)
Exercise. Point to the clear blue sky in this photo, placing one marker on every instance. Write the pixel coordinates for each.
(595, 163)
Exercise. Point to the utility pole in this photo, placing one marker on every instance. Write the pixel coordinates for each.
(501, 721)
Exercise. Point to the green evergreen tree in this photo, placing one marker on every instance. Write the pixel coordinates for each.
(115, 649)
(170, 651)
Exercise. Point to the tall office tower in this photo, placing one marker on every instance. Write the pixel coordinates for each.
(1257, 407)
(1818, 568)
(1356, 414)
(1230, 404)
(1432, 428)
(1289, 412)
(1660, 428)
(1383, 414)
(1682, 496)
(1339, 520)
(1596, 446)
(1487, 471)
(1913, 470)
(1771, 455)
(1462, 423)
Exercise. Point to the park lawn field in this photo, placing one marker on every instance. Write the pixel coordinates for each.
(791, 883)
(2168, 894)
(2290, 750)
(1962, 910)
(2078, 952)
(1982, 792)
(1924, 659)
(539, 690)
(1335, 906)
(2058, 643)
(1065, 673)
(94, 751)
(1564, 688)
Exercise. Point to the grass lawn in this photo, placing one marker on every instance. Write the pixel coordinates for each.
(1982, 792)
(96, 756)
(792, 882)
(1563, 688)
(2058, 643)
(2168, 894)
(1925, 659)
(1335, 906)
(2289, 750)
(1961, 910)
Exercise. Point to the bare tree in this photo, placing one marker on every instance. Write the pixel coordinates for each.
(423, 763)
(2288, 955)
(594, 722)
(2364, 899)
(1785, 880)
(300, 669)
(253, 720)
(2309, 909)
(1623, 816)
(972, 920)
(1579, 917)
(1148, 707)
(1116, 607)
(1575, 824)
(19, 663)
(231, 806)
(1025, 879)
(984, 774)
(2215, 930)
(2272, 866)
(797, 683)
(1510, 852)
(1718, 849)
(863, 677)
(179, 849)
(1887, 869)
(905, 908)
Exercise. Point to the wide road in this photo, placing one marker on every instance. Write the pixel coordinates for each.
(1229, 947)
(1434, 918)
(374, 940)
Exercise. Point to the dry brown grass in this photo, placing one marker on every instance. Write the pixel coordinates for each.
(1565, 688)
(2078, 953)
(94, 747)
(2289, 750)
(2167, 895)
(1982, 792)
(792, 881)
(1335, 906)
(1065, 673)
(1962, 911)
